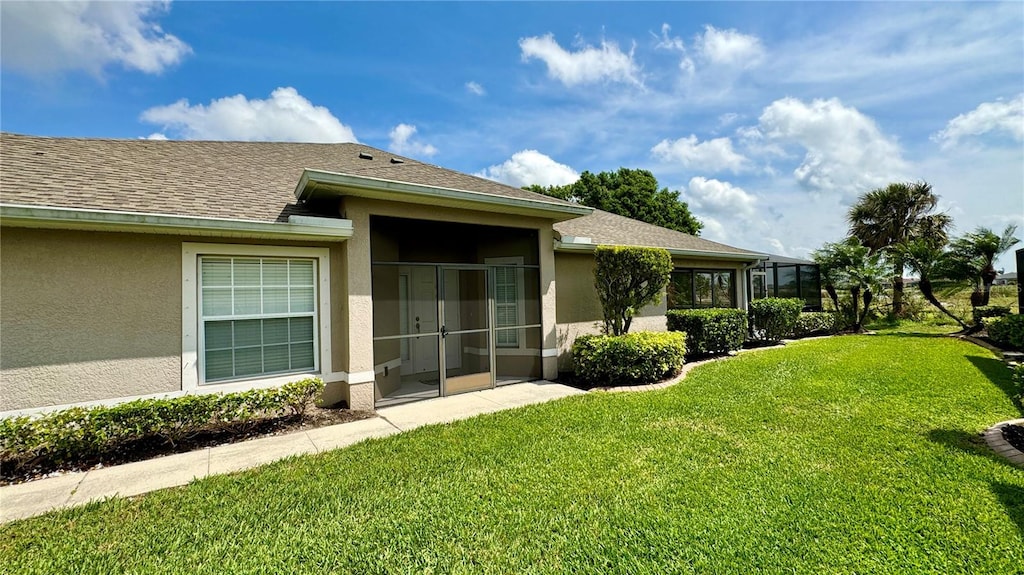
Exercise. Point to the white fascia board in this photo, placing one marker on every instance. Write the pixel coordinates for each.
(562, 246)
(301, 228)
(377, 188)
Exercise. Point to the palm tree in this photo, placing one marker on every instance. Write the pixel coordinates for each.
(925, 258)
(893, 215)
(973, 257)
(850, 265)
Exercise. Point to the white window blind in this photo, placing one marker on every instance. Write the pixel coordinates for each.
(258, 316)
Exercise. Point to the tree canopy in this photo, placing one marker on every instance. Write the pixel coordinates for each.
(631, 193)
(885, 218)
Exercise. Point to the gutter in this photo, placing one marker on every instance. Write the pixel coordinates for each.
(585, 245)
(318, 183)
(297, 227)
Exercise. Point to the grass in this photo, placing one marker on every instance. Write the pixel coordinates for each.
(855, 454)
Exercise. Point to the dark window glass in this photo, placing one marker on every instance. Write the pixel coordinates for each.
(680, 290)
(722, 289)
(810, 286)
(702, 284)
(787, 282)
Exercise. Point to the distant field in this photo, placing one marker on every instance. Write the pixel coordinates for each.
(956, 300)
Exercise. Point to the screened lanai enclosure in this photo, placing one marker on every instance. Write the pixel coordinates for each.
(456, 308)
(779, 276)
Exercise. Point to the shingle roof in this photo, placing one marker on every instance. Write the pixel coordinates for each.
(612, 229)
(236, 180)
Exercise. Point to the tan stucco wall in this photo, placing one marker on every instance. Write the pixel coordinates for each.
(91, 316)
(87, 316)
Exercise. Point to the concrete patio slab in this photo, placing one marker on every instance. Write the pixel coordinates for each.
(529, 393)
(337, 436)
(142, 476)
(440, 410)
(35, 497)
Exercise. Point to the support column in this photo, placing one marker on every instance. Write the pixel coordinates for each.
(359, 330)
(549, 351)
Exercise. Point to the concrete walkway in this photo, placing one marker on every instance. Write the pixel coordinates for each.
(37, 497)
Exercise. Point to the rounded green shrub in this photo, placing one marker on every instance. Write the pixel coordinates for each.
(773, 318)
(1007, 331)
(815, 323)
(709, 331)
(982, 312)
(630, 359)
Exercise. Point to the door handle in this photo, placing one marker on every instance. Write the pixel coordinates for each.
(444, 332)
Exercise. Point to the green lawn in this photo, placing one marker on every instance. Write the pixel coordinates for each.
(854, 454)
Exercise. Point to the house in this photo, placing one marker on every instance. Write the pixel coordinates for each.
(138, 268)
(1006, 279)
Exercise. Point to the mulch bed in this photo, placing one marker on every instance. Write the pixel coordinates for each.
(151, 447)
(1014, 435)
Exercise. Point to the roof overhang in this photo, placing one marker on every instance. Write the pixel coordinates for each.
(586, 245)
(297, 228)
(317, 184)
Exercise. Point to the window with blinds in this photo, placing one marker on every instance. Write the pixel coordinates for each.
(506, 304)
(257, 316)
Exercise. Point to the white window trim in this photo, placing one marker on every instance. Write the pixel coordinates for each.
(520, 295)
(190, 317)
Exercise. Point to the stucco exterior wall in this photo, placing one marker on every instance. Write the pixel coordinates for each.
(87, 316)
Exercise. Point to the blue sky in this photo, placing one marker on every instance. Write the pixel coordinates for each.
(768, 118)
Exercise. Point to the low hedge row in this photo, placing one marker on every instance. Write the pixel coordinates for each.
(810, 323)
(81, 432)
(709, 331)
(774, 318)
(982, 312)
(630, 359)
(1007, 331)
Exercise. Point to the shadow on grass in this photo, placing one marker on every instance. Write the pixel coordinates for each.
(997, 372)
(908, 334)
(1012, 498)
(972, 443)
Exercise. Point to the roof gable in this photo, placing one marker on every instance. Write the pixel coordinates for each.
(236, 180)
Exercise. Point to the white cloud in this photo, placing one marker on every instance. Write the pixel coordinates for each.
(712, 155)
(401, 142)
(286, 116)
(530, 167)
(720, 198)
(996, 116)
(475, 88)
(45, 37)
(666, 42)
(588, 65)
(846, 152)
(729, 47)
(156, 136)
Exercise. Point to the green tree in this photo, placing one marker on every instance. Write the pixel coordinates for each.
(627, 279)
(972, 257)
(851, 266)
(631, 193)
(887, 217)
(926, 259)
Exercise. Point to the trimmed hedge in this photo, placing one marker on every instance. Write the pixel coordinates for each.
(630, 359)
(774, 318)
(708, 331)
(815, 323)
(985, 311)
(81, 432)
(1007, 331)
